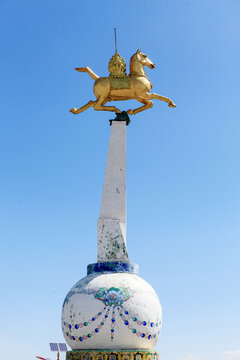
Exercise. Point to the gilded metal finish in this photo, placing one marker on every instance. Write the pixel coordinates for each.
(120, 83)
(112, 355)
(120, 86)
(117, 66)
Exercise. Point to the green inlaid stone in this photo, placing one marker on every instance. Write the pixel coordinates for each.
(134, 331)
(99, 313)
(134, 319)
(89, 335)
(102, 323)
(85, 323)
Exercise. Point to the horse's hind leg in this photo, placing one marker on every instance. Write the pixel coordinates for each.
(99, 105)
(147, 105)
(83, 108)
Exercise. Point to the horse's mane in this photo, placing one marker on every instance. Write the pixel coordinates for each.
(131, 64)
(131, 61)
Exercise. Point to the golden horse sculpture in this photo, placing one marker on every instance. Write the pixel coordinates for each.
(120, 86)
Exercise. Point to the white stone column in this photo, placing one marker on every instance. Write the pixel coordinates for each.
(113, 218)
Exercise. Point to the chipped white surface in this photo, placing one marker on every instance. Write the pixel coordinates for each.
(82, 304)
(113, 216)
(111, 241)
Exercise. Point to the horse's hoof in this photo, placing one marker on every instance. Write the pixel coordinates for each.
(130, 112)
(172, 105)
(73, 110)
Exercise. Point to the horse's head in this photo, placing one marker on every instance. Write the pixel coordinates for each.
(144, 60)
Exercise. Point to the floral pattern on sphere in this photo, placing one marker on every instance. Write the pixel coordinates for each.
(114, 310)
(113, 296)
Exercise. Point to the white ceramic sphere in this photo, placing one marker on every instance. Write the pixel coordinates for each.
(111, 311)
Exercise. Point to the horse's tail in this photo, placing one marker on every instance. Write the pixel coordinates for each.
(94, 76)
(89, 71)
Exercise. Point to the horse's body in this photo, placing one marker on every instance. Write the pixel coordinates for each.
(138, 88)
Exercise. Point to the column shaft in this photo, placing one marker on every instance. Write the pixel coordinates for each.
(112, 220)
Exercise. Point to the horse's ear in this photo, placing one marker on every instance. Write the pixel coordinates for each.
(138, 51)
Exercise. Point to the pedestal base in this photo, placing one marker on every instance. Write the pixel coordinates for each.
(112, 355)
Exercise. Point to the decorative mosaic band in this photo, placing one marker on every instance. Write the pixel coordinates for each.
(113, 266)
(112, 355)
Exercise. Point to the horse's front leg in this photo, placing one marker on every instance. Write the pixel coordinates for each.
(89, 71)
(162, 98)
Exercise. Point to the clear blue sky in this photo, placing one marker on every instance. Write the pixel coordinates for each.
(183, 166)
